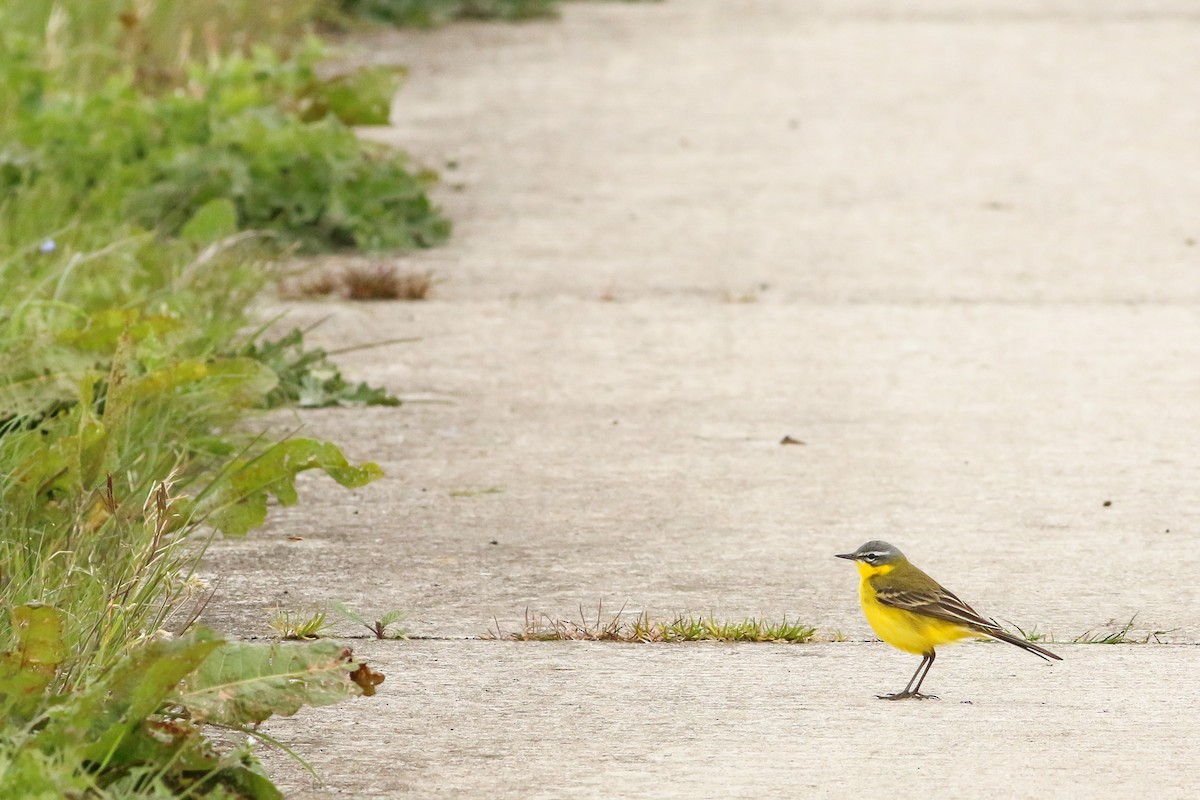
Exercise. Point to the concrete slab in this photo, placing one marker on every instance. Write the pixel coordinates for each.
(950, 246)
(629, 453)
(839, 152)
(571, 720)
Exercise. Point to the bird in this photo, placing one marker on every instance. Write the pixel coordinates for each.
(912, 612)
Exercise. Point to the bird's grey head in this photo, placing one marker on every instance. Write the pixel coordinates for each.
(875, 553)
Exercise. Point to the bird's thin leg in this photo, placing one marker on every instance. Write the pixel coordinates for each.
(908, 690)
(909, 686)
(916, 690)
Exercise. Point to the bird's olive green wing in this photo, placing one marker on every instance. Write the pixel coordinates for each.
(933, 601)
(910, 589)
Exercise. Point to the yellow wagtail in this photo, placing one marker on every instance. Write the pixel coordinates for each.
(911, 611)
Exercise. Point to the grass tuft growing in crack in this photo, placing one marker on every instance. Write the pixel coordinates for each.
(299, 627)
(1113, 632)
(642, 629)
(1033, 634)
(359, 280)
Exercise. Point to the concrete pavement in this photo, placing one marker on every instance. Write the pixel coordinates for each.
(950, 246)
(576, 720)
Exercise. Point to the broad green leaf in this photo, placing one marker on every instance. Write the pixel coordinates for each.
(242, 381)
(181, 744)
(363, 97)
(237, 515)
(31, 774)
(45, 469)
(167, 379)
(103, 329)
(239, 502)
(214, 220)
(28, 670)
(111, 712)
(165, 740)
(243, 683)
(249, 781)
(39, 638)
(245, 381)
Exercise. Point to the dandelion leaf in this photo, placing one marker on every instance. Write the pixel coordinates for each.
(26, 671)
(244, 683)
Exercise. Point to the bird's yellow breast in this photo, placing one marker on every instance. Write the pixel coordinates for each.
(908, 631)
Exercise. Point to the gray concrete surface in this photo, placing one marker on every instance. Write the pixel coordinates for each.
(571, 720)
(951, 246)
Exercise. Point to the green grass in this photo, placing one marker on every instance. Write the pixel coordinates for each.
(124, 411)
(699, 629)
(299, 627)
(1033, 634)
(643, 629)
(246, 138)
(293, 626)
(155, 43)
(431, 13)
(1113, 632)
(131, 377)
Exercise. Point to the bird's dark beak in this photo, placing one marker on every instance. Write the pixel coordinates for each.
(847, 556)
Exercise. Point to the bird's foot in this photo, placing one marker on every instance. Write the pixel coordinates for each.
(907, 696)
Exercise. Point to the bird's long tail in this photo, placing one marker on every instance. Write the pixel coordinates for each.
(1005, 636)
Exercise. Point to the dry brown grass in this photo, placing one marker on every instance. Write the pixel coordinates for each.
(307, 287)
(385, 282)
(359, 281)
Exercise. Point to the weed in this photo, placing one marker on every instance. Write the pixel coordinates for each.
(1033, 634)
(299, 627)
(360, 281)
(124, 411)
(250, 145)
(378, 628)
(306, 377)
(306, 287)
(153, 42)
(431, 13)
(544, 627)
(334, 192)
(695, 629)
(146, 714)
(1119, 634)
(385, 282)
